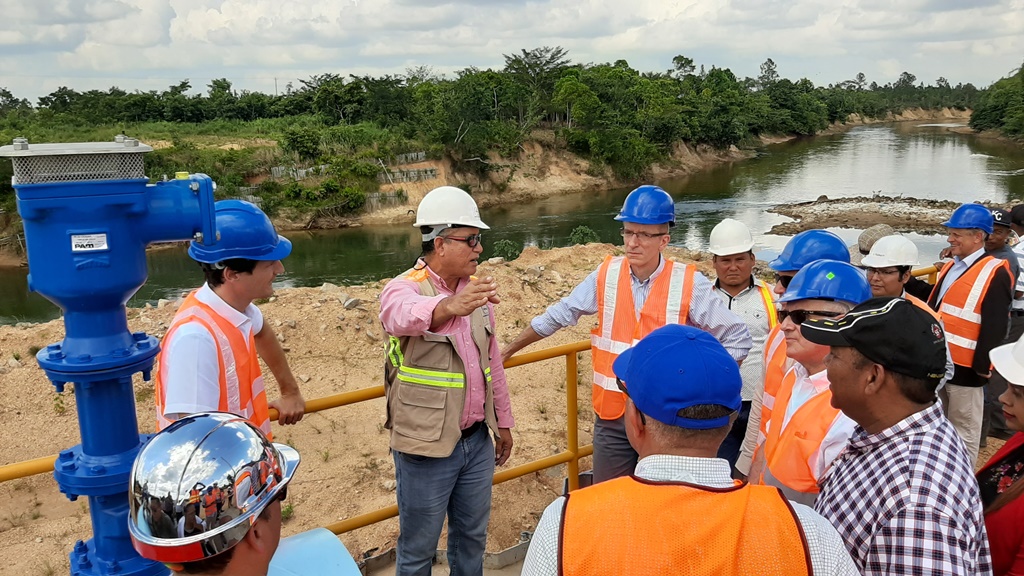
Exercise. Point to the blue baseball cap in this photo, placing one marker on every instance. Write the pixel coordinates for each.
(676, 367)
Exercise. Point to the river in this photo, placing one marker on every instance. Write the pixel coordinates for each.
(917, 160)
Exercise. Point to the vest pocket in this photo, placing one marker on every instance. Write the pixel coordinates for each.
(420, 411)
(428, 354)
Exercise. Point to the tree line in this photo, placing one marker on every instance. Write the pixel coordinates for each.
(610, 113)
(1001, 106)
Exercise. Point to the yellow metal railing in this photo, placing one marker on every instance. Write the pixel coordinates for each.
(931, 272)
(570, 456)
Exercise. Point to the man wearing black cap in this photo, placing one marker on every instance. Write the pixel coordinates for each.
(681, 512)
(998, 245)
(902, 494)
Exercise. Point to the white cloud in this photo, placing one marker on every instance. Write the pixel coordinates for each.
(150, 44)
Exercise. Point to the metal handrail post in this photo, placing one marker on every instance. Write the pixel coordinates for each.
(572, 416)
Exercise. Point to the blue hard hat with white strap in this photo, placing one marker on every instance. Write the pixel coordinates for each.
(828, 280)
(808, 246)
(971, 216)
(243, 231)
(648, 205)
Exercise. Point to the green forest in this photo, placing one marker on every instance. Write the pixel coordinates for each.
(619, 118)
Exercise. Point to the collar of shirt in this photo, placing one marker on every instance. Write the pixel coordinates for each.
(711, 472)
(819, 380)
(439, 284)
(657, 271)
(917, 422)
(207, 296)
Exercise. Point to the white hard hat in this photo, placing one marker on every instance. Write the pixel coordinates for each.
(1008, 360)
(449, 206)
(730, 237)
(891, 251)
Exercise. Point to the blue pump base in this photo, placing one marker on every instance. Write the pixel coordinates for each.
(85, 563)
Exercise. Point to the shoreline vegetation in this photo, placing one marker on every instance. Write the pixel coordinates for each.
(339, 150)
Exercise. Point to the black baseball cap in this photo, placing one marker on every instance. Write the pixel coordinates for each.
(888, 331)
(1000, 217)
(1017, 214)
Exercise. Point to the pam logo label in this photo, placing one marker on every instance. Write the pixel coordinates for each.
(88, 242)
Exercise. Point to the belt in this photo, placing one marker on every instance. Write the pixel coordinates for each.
(1016, 312)
(472, 429)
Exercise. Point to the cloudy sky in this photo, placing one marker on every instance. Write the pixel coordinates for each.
(260, 44)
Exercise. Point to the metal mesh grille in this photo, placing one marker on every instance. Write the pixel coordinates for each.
(78, 168)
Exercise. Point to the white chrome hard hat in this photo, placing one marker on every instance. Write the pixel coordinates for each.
(730, 237)
(891, 251)
(212, 453)
(449, 206)
(1008, 360)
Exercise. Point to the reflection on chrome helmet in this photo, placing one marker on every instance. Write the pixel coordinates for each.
(200, 484)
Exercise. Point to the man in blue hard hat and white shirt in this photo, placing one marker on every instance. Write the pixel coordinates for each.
(805, 433)
(632, 296)
(681, 512)
(972, 296)
(211, 352)
(802, 249)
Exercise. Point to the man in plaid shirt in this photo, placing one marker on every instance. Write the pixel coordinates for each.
(903, 494)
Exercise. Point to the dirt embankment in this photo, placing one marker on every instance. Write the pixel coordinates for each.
(903, 214)
(346, 469)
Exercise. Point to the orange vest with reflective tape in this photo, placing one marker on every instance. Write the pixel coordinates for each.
(922, 305)
(775, 364)
(788, 451)
(209, 504)
(960, 306)
(619, 328)
(240, 378)
(681, 529)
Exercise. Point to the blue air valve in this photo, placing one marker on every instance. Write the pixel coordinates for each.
(89, 212)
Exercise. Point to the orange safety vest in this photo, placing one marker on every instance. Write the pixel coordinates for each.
(788, 451)
(241, 380)
(618, 327)
(922, 305)
(775, 364)
(193, 496)
(209, 504)
(960, 306)
(678, 528)
(768, 299)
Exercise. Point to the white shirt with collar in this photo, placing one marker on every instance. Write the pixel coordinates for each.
(827, 551)
(749, 305)
(193, 369)
(959, 267)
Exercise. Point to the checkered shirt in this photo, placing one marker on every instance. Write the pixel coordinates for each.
(905, 500)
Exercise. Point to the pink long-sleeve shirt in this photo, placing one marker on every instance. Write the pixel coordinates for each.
(404, 312)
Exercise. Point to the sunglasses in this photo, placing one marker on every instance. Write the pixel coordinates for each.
(472, 240)
(622, 388)
(799, 316)
(784, 280)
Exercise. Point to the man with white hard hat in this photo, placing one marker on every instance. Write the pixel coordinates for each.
(731, 247)
(888, 266)
(446, 389)
(225, 451)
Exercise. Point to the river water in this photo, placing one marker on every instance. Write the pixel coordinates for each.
(913, 160)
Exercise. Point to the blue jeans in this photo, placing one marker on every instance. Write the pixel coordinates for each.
(428, 489)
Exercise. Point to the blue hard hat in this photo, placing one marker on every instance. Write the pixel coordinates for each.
(676, 367)
(243, 231)
(648, 205)
(828, 280)
(808, 246)
(971, 216)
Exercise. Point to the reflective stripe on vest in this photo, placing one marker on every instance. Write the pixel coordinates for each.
(775, 364)
(788, 449)
(960, 307)
(426, 377)
(241, 394)
(619, 327)
(680, 529)
(769, 306)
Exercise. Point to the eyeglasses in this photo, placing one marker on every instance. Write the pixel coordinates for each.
(622, 388)
(881, 271)
(784, 280)
(629, 234)
(799, 316)
(472, 240)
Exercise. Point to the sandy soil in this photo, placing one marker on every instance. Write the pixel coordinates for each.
(903, 214)
(346, 468)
